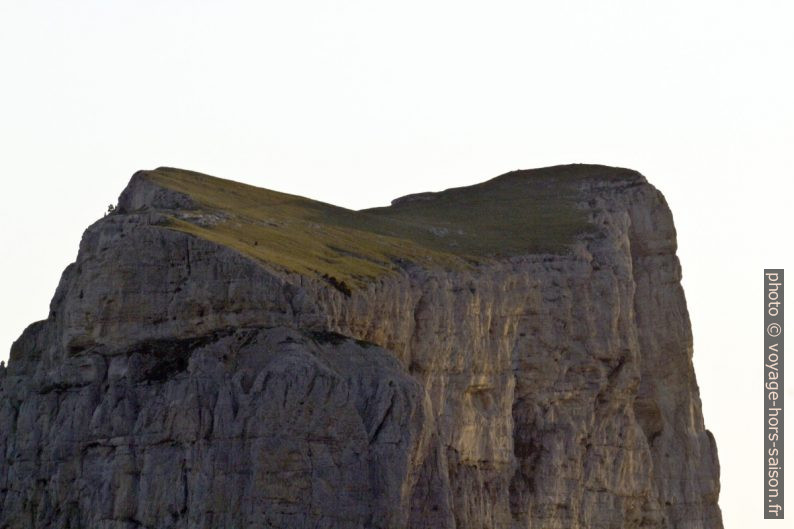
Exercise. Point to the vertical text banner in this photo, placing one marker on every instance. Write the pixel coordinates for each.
(773, 394)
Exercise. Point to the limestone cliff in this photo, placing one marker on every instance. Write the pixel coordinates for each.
(515, 354)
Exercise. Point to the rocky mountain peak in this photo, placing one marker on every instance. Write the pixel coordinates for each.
(516, 353)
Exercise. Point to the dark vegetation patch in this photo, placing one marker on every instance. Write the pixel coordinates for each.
(341, 286)
(365, 344)
(334, 338)
(323, 337)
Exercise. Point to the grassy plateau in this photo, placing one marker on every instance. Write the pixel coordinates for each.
(520, 212)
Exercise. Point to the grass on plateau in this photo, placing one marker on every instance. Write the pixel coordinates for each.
(517, 213)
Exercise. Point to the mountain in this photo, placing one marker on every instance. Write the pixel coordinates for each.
(513, 354)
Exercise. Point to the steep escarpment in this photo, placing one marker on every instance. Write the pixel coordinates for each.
(515, 354)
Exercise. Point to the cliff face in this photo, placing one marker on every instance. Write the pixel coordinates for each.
(512, 355)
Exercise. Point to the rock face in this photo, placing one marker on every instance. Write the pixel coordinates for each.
(183, 380)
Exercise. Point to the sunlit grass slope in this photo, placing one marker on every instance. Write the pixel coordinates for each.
(517, 213)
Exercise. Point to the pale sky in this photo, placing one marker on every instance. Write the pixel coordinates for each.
(356, 103)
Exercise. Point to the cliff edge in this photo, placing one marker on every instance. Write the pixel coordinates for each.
(511, 355)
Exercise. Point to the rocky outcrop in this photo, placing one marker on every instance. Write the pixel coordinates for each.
(182, 382)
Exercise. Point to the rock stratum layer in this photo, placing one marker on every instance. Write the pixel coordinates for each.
(515, 354)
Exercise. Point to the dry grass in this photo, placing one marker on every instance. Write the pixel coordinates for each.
(517, 213)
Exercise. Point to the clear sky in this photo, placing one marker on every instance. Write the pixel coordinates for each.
(356, 103)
